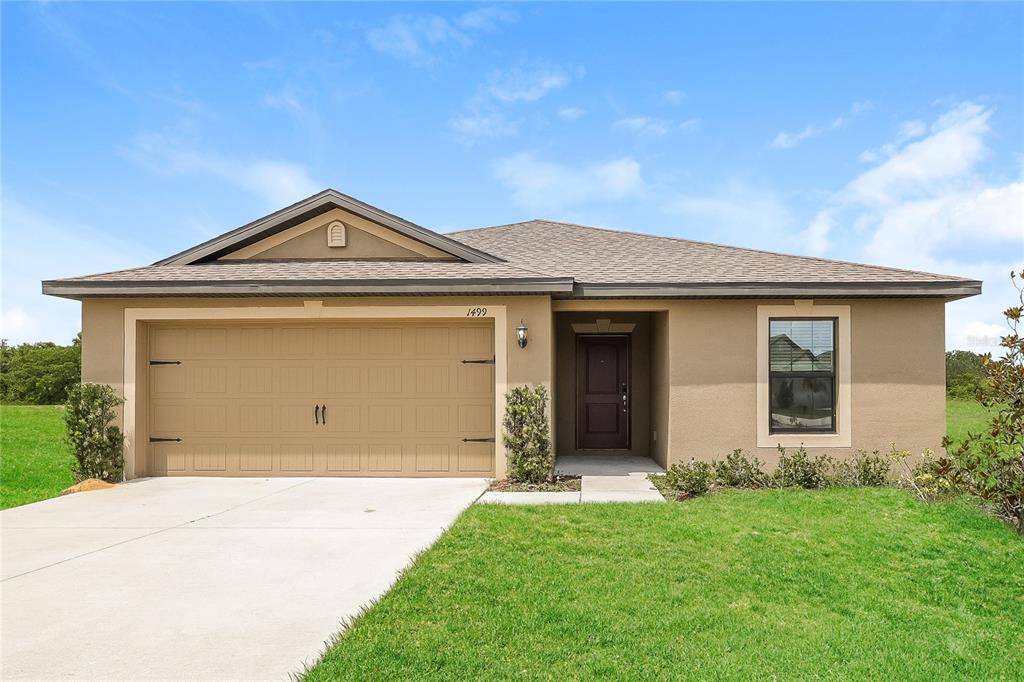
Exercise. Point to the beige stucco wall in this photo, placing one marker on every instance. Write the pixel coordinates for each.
(660, 372)
(898, 376)
(708, 376)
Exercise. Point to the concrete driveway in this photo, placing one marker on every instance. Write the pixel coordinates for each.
(204, 578)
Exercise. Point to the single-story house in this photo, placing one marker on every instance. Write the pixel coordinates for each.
(332, 338)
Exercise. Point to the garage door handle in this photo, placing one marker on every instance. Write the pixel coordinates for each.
(477, 440)
(316, 414)
(164, 440)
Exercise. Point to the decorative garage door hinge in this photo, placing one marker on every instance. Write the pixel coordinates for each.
(165, 362)
(477, 440)
(164, 440)
(478, 362)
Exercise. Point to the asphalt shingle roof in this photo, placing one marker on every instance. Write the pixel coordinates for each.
(603, 256)
(538, 256)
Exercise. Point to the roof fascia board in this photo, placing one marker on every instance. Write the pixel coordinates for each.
(951, 290)
(314, 203)
(366, 287)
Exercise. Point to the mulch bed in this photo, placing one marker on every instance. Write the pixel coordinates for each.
(560, 484)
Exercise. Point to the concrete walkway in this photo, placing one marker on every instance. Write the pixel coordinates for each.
(604, 478)
(206, 578)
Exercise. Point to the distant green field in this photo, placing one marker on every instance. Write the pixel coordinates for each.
(35, 463)
(963, 416)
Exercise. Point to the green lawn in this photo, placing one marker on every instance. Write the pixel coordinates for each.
(785, 584)
(35, 463)
(963, 416)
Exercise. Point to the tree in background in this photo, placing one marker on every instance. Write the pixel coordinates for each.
(992, 462)
(39, 373)
(965, 374)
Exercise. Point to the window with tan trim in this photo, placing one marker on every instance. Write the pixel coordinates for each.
(803, 375)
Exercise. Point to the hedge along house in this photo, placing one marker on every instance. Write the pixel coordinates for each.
(332, 338)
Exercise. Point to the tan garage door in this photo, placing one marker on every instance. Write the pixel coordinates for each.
(351, 398)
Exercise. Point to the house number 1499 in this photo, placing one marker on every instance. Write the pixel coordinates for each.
(476, 312)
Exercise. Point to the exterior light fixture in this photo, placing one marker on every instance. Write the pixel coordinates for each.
(521, 334)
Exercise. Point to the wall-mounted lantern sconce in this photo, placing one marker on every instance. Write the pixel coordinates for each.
(521, 334)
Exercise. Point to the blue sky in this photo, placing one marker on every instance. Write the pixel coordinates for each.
(891, 134)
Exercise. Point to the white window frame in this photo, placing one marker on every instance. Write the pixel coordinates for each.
(842, 438)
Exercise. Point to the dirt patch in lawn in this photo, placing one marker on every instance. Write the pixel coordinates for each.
(560, 484)
(87, 485)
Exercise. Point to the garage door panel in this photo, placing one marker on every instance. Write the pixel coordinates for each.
(296, 379)
(345, 457)
(297, 457)
(476, 379)
(210, 457)
(398, 399)
(255, 457)
(384, 418)
(297, 418)
(381, 341)
(384, 457)
(344, 417)
(255, 341)
(433, 419)
(256, 419)
(345, 380)
(432, 457)
(476, 458)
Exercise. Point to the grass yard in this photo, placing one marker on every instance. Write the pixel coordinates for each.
(785, 584)
(963, 416)
(35, 463)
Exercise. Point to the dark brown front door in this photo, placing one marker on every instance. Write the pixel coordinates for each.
(602, 392)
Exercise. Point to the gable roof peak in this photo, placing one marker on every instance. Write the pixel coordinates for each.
(309, 208)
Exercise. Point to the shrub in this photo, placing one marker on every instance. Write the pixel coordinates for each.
(801, 470)
(991, 463)
(931, 478)
(736, 471)
(95, 441)
(862, 470)
(690, 479)
(38, 373)
(527, 435)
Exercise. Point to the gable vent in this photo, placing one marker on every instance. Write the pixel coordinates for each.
(336, 233)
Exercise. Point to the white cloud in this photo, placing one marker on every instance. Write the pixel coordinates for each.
(571, 113)
(654, 127)
(526, 85)
(955, 144)
(925, 205)
(279, 183)
(736, 209)
(472, 126)
(486, 18)
(785, 140)
(643, 125)
(548, 186)
(674, 96)
(38, 247)
(486, 113)
(815, 237)
(418, 39)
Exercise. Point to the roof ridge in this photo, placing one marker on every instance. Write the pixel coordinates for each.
(634, 233)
